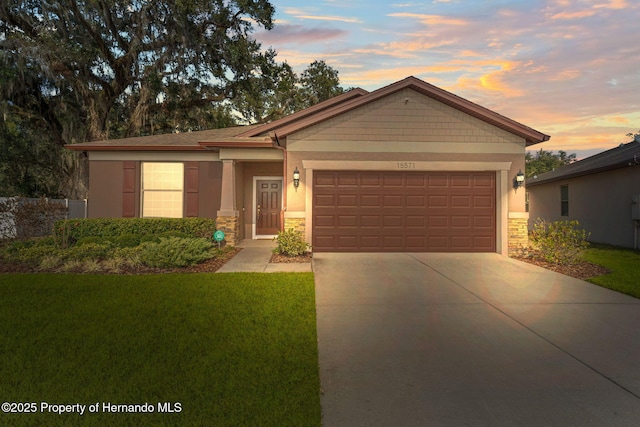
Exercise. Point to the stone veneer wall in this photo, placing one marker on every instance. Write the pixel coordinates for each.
(230, 225)
(518, 235)
(298, 224)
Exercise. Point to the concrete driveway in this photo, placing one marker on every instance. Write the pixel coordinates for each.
(471, 339)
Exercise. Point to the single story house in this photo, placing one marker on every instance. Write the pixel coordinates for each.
(602, 192)
(408, 167)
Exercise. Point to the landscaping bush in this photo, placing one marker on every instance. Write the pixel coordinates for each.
(128, 240)
(88, 251)
(175, 252)
(91, 240)
(109, 228)
(291, 243)
(560, 242)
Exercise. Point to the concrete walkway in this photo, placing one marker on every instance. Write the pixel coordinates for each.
(471, 340)
(254, 258)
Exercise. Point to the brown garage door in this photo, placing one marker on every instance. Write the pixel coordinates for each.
(404, 211)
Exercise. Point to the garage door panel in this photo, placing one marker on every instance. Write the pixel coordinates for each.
(347, 241)
(370, 243)
(438, 201)
(483, 222)
(324, 200)
(370, 180)
(416, 201)
(371, 201)
(347, 221)
(392, 221)
(415, 221)
(324, 221)
(461, 181)
(323, 179)
(415, 242)
(437, 181)
(393, 243)
(392, 201)
(438, 222)
(483, 201)
(404, 211)
(461, 222)
(392, 180)
(483, 181)
(460, 201)
(347, 201)
(370, 221)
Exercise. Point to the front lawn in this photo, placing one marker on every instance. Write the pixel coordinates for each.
(224, 349)
(624, 265)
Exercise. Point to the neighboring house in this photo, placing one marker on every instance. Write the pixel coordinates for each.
(597, 191)
(408, 167)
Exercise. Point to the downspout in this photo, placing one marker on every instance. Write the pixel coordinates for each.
(276, 144)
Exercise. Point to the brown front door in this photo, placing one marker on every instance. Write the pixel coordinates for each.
(268, 206)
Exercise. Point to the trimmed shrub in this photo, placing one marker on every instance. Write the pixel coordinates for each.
(109, 228)
(175, 252)
(560, 242)
(94, 251)
(291, 243)
(92, 240)
(127, 240)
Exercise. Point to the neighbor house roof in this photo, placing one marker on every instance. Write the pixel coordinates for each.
(624, 155)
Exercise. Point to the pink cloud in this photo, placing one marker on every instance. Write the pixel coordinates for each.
(298, 34)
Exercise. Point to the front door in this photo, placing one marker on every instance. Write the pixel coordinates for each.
(268, 206)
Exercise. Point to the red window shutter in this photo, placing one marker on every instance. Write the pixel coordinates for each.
(191, 188)
(128, 189)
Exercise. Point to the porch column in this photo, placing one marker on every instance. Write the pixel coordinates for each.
(228, 215)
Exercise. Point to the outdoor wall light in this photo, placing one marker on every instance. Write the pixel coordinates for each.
(296, 177)
(518, 181)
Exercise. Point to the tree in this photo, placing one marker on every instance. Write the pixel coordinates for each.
(320, 82)
(545, 161)
(94, 68)
(634, 136)
(278, 91)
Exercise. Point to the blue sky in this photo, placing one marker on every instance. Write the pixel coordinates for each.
(568, 68)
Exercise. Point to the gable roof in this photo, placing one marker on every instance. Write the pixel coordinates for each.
(261, 135)
(530, 135)
(624, 155)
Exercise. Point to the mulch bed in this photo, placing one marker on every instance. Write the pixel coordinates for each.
(279, 258)
(209, 266)
(582, 270)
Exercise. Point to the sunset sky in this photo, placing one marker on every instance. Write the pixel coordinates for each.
(568, 68)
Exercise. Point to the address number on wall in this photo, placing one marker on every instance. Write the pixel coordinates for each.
(406, 165)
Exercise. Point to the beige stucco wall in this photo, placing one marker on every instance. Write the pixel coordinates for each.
(105, 189)
(600, 202)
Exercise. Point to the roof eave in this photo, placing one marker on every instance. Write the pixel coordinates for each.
(81, 147)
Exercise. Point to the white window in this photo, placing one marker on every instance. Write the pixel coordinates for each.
(162, 190)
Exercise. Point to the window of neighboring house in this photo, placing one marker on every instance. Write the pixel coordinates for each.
(526, 201)
(162, 190)
(564, 200)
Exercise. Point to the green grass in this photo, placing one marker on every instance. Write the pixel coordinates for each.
(231, 349)
(624, 265)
